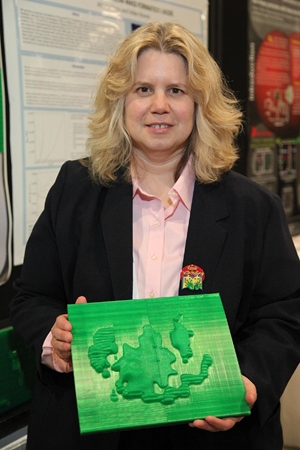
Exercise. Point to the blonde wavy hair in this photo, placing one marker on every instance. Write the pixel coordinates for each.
(217, 115)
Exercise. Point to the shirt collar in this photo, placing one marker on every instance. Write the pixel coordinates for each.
(184, 186)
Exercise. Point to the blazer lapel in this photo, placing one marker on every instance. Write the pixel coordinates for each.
(206, 236)
(116, 218)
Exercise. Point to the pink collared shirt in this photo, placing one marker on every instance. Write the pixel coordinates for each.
(159, 237)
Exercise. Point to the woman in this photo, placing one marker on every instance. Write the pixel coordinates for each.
(157, 189)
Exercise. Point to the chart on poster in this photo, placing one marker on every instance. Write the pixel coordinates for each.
(55, 51)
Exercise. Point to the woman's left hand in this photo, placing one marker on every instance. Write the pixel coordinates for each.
(211, 423)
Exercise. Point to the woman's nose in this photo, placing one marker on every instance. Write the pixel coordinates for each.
(160, 103)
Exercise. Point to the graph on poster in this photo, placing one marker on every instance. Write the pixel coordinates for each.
(64, 139)
(37, 187)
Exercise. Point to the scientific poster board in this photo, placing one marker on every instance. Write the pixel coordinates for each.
(55, 51)
(5, 210)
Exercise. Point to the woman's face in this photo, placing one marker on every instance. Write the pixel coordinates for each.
(159, 113)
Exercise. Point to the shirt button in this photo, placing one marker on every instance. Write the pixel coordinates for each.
(152, 294)
(154, 256)
(157, 223)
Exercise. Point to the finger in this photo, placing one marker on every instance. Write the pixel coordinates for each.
(61, 336)
(63, 354)
(62, 323)
(61, 343)
(62, 349)
(81, 299)
(250, 399)
(251, 392)
(61, 340)
(213, 424)
(201, 424)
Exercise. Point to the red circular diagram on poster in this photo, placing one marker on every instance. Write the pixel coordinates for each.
(273, 89)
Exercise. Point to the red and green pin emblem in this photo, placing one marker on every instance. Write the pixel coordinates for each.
(192, 277)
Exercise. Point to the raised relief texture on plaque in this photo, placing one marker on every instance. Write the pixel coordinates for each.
(144, 371)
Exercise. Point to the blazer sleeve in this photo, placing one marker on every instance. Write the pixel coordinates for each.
(40, 294)
(268, 344)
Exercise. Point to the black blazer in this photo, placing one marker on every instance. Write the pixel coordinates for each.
(82, 245)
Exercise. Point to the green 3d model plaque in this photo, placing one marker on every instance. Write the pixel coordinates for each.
(154, 361)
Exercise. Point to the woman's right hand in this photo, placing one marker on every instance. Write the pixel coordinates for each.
(62, 336)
